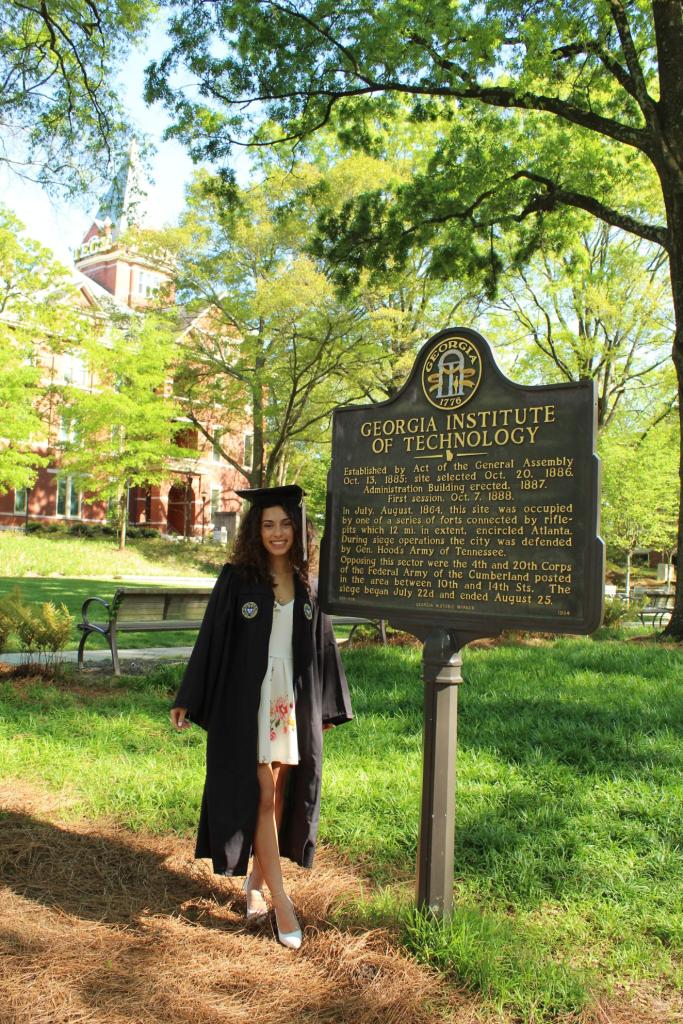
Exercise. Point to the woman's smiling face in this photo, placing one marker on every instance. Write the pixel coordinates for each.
(277, 531)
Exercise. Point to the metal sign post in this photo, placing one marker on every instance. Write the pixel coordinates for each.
(441, 664)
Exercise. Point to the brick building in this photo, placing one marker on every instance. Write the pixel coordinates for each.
(110, 278)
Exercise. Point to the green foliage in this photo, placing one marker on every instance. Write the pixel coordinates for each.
(617, 611)
(403, 303)
(273, 349)
(125, 429)
(6, 621)
(33, 526)
(91, 530)
(60, 106)
(640, 487)
(490, 956)
(43, 631)
(598, 307)
(38, 317)
(586, 99)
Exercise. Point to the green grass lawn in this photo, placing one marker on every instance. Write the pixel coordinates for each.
(31, 554)
(568, 860)
(73, 592)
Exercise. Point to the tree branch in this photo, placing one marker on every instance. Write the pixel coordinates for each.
(645, 101)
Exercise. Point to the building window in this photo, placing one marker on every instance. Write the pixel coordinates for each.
(248, 450)
(68, 498)
(215, 502)
(216, 456)
(67, 429)
(20, 499)
(147, 284)
(75, 371)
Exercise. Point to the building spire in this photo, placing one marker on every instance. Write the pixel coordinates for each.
(125, 204)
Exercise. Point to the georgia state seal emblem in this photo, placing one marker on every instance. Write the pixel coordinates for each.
(308, 611)
(451, 373)
(250, 610)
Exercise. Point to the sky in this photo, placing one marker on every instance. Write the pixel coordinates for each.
(60, 225)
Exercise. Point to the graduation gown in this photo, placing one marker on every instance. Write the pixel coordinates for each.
(221, 690)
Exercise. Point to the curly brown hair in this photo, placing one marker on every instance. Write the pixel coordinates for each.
(250, 558)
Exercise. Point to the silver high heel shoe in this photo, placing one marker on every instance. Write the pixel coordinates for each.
(292, 940)
(253, 914)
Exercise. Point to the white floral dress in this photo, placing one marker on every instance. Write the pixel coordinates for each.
(276, 720)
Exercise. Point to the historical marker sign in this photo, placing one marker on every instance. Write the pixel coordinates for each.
(466, 501)
(465, 505)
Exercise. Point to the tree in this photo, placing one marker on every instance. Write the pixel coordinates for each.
(271, 348)
(38, 317)
(124, 430)
(60, 112)
(640, 490)
(404, 304)
(599, 309)
(597, 83)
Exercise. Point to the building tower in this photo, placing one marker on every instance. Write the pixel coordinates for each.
(107, 253)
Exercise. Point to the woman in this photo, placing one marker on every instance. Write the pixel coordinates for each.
(264, 680)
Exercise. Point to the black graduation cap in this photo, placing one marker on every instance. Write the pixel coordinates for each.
(266, 497)
(289, 494)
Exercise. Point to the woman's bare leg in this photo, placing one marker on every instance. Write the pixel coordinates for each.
(266, 847)
(280, 772)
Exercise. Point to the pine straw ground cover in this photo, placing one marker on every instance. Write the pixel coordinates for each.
(103, 927)
(569, 888)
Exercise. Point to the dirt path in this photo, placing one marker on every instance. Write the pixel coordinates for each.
(102, 927)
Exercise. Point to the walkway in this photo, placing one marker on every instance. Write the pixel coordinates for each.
(103, 657)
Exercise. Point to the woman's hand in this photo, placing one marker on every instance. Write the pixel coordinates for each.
(179, 718)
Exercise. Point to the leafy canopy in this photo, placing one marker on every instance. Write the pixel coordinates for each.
(124, 429)
(600, 307)
(272, 346)
(39, 317)
(602, 75)
(640, 488)
(60, 113)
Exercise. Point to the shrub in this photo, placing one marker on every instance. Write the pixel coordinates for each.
(32, 526)
(142, 531)
(5, 626)
(56, 528)
(42, 630)
(618, 611)
(81, 530)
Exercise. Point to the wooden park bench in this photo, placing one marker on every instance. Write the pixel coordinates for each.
(658, 607)
(142, 610)
(147, 610)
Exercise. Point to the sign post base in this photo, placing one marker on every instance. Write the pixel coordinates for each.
(441, 664)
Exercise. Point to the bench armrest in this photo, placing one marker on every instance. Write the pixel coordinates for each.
(96, 627)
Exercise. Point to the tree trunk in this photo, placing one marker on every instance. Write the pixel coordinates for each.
(627, 584)
(674, 628)
(123, 518)
(668, 160)
(256, 477)
(674, 199)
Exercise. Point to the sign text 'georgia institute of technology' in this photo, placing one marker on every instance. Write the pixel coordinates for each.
(466, 499)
